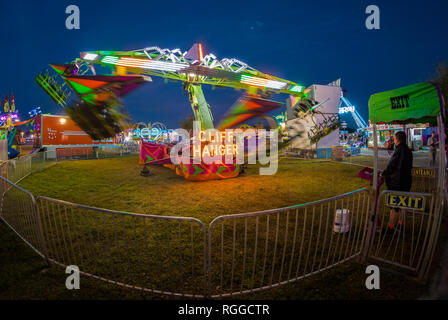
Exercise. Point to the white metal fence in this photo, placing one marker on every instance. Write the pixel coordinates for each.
(256, 251)
(176, 255)
(410, 245)
(92, 153)
(17, 169)
(157, 254)
(237, 254)
(18, 210)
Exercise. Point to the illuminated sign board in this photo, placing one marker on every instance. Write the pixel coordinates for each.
(221, 143)
(4, 116)
(387, 127)
(423, 172)
(146, 133)
(347, 109)
(406, 201)
(151, 133)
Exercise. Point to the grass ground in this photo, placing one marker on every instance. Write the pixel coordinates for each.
(24, 276)
(116, 184)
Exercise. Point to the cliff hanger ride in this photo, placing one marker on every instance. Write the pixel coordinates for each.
(97, 109)
(130, 69)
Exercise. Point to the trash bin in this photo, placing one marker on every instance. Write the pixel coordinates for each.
(341, 221)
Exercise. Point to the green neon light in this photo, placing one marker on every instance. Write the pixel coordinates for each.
(262, 82)
(110, 59)
(43, 82)
(296, 88)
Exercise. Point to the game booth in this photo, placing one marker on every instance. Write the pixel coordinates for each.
(411, 246)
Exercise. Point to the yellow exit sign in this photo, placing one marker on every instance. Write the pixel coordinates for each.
(405, 201)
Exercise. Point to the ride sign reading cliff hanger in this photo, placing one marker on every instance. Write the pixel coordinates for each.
(405, 201)
(230, 147)
(220, 143)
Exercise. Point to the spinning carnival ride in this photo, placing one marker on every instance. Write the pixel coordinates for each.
(96, 107)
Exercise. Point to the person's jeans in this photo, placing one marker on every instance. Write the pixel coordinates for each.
(432, 157)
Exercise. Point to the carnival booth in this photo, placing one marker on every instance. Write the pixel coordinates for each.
(414, 133)
(384, 133)
(411, 245)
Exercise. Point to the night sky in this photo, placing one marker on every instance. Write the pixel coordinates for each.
(303, 41)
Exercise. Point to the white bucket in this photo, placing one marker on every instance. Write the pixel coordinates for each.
(341, 221)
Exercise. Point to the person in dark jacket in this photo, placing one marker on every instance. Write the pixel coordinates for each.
(398, 174)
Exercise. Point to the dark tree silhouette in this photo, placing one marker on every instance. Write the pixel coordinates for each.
(442, 79)
(187, 123)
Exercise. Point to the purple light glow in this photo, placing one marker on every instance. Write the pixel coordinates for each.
(3, 117)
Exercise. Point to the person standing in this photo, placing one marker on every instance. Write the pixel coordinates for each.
(390, 145)
(446, 150)
(398, 174)
(432, 144)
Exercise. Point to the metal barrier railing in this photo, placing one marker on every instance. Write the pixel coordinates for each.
(238, 254)
(18, 211)
(4, 169)
(65, 154)
(169, 255)
(424, 179)
(157, 254)
(19, 168)
(256, 251)
(407, 245)
(298, 153)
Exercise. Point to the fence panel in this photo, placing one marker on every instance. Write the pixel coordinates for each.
(19, 168)
(4, 169)
(308, 154)
(240, 254)
(406, 246)
(18, 211)
(256, 251)
(40, 161)
(159, 254)
(424, 179)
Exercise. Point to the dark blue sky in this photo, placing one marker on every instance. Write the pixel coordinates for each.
(303, 41)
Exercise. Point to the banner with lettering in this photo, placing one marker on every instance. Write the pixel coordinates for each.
(418, 103)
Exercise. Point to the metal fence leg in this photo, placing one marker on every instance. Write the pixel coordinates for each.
(208, 262)
(371, 223)
(439, 203)
(41, 233)
(432, 243)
